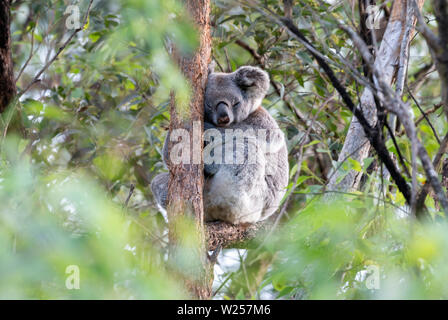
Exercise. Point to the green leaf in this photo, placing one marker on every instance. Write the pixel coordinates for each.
(33, 107)
(355, 165)
(312, 143)
(367, 162)
(95, 36)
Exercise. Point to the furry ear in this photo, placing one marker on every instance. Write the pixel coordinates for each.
(252, 79)
(211, 66)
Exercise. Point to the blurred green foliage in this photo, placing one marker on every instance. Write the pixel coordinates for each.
(53, 221)
(355, 252)
(94, 127)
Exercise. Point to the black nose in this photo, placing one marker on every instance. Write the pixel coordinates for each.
(223, 120)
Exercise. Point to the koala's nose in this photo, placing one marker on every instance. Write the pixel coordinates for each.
(222, 113)
(223, 120)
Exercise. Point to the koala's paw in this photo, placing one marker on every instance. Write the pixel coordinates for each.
(248, 77)
(159, 188)
(210, 169)
(208, 125)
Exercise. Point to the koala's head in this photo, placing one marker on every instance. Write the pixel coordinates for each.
(232, 97)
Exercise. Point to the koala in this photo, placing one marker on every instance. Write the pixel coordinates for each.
(245, 155)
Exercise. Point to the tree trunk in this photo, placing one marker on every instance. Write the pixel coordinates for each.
(186, 180)
(356, 145)
(7, 83)
(441, 55)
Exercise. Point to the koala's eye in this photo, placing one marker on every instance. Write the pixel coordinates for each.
(236, 105)
(248, 84)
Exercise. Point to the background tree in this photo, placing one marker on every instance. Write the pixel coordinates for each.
(7, 84)
(392, 58)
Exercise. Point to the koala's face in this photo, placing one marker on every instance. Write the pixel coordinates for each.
(232, 97)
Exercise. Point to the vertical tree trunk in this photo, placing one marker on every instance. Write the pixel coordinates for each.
(356, 145)
(7, 83)
(186, 180)
(441, 55)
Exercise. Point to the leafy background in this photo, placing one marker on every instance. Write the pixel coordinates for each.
(94, 128)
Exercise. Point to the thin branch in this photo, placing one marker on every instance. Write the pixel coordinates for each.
(431, 38)
(400, 155)
(421, 75)
(341, 163)
(395, 104)
(421, 197)
(261, 61)
(371, 132)
(426, 113)
(131, 192)
(288, 8)
(29, 57)
(401, 80)
(251, 50)
(403, 61)
(56, 55)
(423, 115)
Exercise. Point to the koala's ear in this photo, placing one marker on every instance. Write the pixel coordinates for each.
(211, 66)
(252, 79)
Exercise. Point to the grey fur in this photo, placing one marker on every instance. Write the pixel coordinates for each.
(248, 191)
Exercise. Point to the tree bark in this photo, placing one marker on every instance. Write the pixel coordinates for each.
(7, 83)
(438, 45)
(226, 235)
(186, 180)
(356, 145)
(441, 54)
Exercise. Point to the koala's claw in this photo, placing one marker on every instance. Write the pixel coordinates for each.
(159, 188)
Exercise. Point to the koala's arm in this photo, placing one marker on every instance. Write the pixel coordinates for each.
(210, 169)
(165, 155)
(270, 132)
(159, 188)
(208, 125)
(275, 140)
